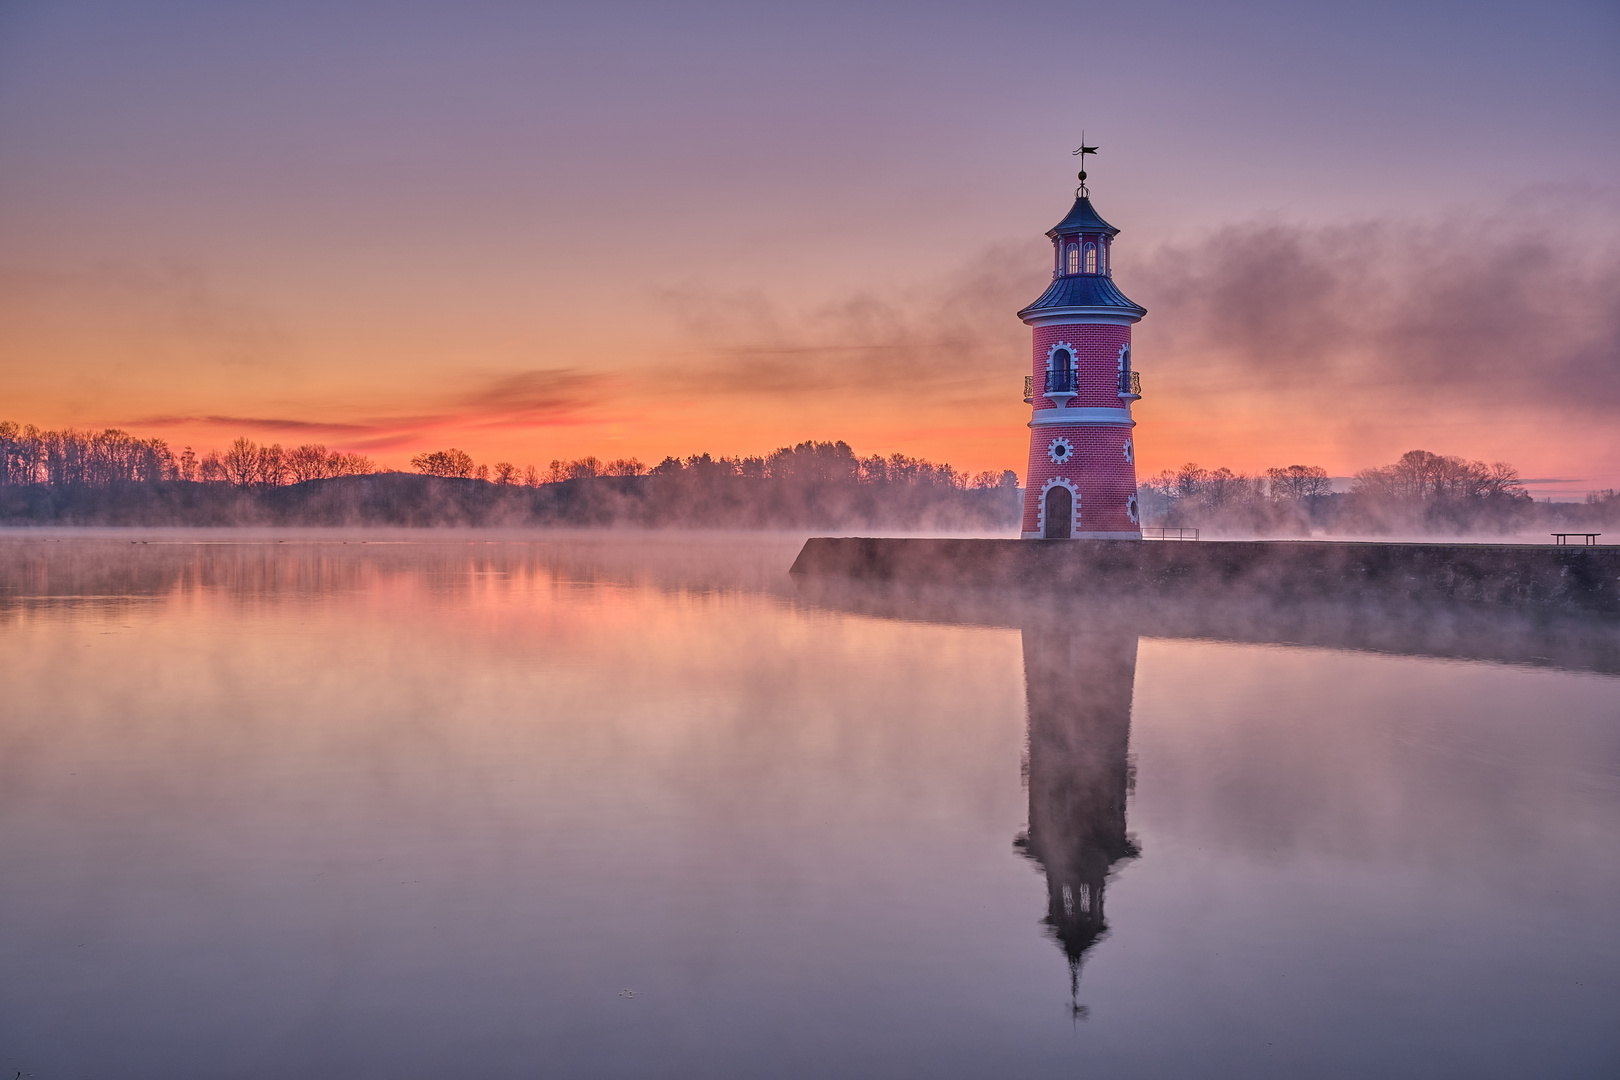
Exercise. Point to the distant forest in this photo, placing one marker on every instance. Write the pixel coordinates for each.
(113, 478)
(1421, 494)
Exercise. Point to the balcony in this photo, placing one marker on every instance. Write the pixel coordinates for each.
(1060, 386)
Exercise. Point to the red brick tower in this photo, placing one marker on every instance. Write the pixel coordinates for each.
(1081, 482)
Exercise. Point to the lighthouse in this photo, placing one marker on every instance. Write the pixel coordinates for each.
(1081, 482)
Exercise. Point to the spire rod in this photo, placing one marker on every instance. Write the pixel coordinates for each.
(1081, 191)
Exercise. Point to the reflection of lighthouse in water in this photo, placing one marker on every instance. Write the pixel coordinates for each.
(1079, 692)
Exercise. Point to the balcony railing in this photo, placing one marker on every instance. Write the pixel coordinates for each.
(1067, 382)
(1061, 382)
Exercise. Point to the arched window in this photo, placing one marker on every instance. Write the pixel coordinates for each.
(1091, 258)
(1074, 259)
(1060, 372)
(1102, 258)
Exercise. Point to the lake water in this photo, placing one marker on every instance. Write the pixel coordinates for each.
(620, 806)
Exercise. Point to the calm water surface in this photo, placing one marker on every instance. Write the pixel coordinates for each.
(623, 807)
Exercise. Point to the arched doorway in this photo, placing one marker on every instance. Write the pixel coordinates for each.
(1059, 512)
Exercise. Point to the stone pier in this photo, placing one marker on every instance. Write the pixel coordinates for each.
(1566, 578)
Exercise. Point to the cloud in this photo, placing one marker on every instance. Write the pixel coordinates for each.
(250, 423)
(952, 337)
(529, 399)
(542, 395)
(1485, 310)
(125, 326)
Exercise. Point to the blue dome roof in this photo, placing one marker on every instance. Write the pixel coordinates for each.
(1083, 291)
(1082, 218)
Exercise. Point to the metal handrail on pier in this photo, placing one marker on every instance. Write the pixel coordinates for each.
(1564, 538)
(1166, 533)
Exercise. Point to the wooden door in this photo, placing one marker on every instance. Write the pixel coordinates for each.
(1059, 513)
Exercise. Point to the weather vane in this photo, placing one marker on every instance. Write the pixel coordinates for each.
(1083, 151)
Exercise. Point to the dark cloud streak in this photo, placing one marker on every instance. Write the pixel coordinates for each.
(540, 397)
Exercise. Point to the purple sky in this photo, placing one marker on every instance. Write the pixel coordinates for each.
(378, 216)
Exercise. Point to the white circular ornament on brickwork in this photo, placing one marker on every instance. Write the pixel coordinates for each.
(1060, 450)
(1129, 451)
(1131, 509)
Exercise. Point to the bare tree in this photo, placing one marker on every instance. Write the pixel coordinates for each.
(241, 462)
(1422, 476)
(451, 462)
(1299, 482)
(272, 465)
(350, 464)
(308, 462)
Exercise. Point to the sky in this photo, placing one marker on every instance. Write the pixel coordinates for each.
(536, 232)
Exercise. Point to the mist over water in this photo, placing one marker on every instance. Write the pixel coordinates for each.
(598, 804)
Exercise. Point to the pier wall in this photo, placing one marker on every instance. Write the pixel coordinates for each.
(1565, 578)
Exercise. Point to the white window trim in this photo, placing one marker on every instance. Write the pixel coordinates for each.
(1051, 353)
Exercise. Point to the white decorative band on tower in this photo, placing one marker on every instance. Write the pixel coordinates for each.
(1047, 417)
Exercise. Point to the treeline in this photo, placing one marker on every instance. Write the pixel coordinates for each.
(820, 461)
(810, 485)
(113, 458)
(1422, 493)
(113, 478)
